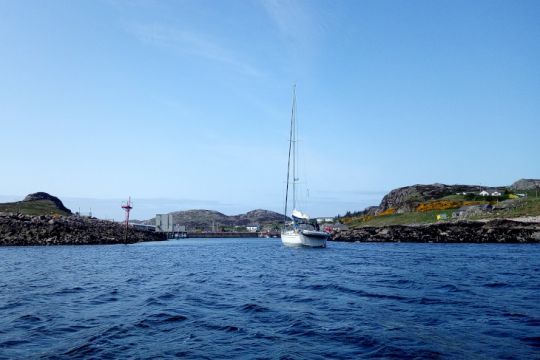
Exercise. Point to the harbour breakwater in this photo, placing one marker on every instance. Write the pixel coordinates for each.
(494, 231)
(26, 230)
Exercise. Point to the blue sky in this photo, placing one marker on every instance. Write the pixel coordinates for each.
(186, 104)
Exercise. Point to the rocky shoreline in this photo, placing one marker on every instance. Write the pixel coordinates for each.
(494, 231)
(26, 230)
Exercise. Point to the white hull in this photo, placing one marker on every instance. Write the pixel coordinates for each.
(294, 238)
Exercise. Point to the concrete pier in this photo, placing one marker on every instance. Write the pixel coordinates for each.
(222, 235)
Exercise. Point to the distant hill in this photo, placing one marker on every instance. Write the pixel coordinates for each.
(205, 219)
(39, 203)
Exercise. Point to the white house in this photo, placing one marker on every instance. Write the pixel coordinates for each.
(483, 193)
(325, 220)
(496, 193)
(252, 228)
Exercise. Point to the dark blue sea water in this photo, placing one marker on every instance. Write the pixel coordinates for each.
(254, 298)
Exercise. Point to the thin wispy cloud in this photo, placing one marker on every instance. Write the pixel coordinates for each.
(293, 20)
(191, 43)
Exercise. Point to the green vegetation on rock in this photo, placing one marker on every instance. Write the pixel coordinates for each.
(427, 217)
(426, 204)
(529, 206)
(33, 207)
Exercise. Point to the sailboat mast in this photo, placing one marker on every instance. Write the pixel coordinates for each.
(295, 146)
(291, 147)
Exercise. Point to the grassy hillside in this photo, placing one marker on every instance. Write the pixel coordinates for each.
(529, 206)
(37, 207)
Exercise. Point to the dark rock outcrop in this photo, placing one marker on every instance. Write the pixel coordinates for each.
(526, 184)
(45, 196)
(495, 231)
(23, 230)
(405, 199)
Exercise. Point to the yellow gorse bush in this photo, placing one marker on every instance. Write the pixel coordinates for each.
(389, 211)
(444, 205)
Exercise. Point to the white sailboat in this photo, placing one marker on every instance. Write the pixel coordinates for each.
(301, 231)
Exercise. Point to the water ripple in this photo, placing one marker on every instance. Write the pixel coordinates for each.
(244, 298)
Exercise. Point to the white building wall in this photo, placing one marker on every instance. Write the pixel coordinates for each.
(164, 223)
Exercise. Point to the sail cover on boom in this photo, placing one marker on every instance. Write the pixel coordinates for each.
(297, 214)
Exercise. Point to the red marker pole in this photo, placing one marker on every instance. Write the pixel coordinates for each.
(127, 207)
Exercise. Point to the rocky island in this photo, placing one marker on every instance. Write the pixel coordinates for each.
(42, 219)
(450, 214)
(20, 230)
